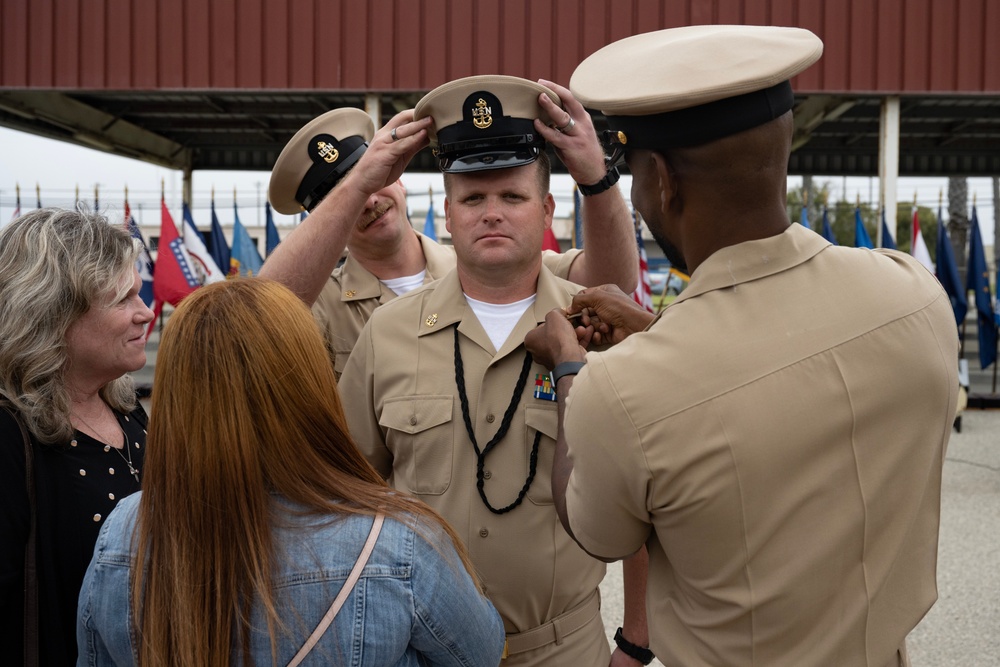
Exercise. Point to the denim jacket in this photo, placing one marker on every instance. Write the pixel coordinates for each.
(414, 604)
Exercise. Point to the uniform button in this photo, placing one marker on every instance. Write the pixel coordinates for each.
(487, 474)
(490, 418)
(97, 517)
(111, 471)
(111, 496)
(72, 443)
(413, 421)
(107, 448)
(126, 418)
(137, 445)
(83, 473)
(483, 532)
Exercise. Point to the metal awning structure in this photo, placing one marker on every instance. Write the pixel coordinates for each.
(223, 85)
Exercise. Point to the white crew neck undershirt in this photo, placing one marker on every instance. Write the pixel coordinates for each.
(404, 284)
(499, 319)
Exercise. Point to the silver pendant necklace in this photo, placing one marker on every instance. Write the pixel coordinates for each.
(131, 468)
(128, 450)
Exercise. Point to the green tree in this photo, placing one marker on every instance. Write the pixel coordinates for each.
(816, 198)
(841, 216)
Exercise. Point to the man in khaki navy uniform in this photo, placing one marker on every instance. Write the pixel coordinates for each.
(776, 436)
(387, 257)
(442, 397)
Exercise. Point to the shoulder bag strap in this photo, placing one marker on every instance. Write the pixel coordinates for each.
(331, 613)
(30, 566)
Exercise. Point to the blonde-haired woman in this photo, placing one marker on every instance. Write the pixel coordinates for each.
(72, 327)
(255, 509)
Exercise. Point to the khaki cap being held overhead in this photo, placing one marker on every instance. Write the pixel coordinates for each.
(317, 157)
(688, 86)
(485, 122)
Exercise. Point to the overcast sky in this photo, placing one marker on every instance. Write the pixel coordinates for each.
(60, 168)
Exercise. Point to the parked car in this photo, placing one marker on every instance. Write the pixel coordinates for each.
(670, 279)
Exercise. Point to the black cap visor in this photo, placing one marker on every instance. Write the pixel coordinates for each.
(487, 158)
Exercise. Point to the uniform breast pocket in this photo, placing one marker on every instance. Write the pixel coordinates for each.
(546, 422)
(420, 435)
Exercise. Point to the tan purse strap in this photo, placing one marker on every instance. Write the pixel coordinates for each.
(331, 613)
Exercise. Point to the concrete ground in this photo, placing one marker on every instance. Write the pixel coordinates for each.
(963, 627)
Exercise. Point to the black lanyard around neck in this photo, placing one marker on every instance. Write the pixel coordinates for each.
(501, 432)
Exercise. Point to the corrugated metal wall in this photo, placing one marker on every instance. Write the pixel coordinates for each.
(904, 46)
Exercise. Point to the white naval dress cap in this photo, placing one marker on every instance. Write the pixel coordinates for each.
(317, 157)
(688, 86)
(485, 122)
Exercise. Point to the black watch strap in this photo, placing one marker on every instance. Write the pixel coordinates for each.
(600, 186)
(643, 655)
(564, 369)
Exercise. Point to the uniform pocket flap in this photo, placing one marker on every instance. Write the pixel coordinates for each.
(545, 420)
(413, 414)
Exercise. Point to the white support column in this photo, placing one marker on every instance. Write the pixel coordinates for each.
(888, 162)
(373, 107)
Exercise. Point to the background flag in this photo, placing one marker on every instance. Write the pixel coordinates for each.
(978, 280)
(947, 273)
(918, 248)
(804, 218)
(271, 238)
(577, 219)
(220, 249)
(143, 263)
(205, 267)
(887, 239)
(245, 258)
(643, 293)
(827, 230)
(38, 195)
(861, 237)
(173, 276)
(430, 227)
(550, 242)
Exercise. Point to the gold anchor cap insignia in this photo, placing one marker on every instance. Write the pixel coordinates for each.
(431, 319)
(482, 115)
(328, 152)
(349, 293)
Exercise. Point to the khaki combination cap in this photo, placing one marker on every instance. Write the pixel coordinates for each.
(688, 86)
(485, 122)
(317, 157)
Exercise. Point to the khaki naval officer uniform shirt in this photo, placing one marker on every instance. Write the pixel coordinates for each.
(352, 293)
(403, 408)
(781, 430)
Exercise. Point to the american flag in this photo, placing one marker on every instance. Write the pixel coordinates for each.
(643, 293)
